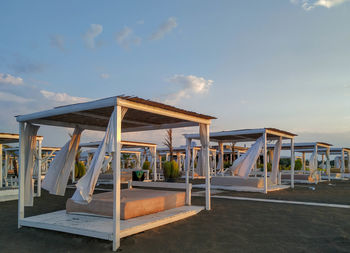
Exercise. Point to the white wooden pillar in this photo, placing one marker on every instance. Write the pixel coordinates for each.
(342, 163)
(303, 161)
(328, 163)
(348, 155)
(116, 180)
(160, 165)
(187, 170)
(194, 155)
(265, 161)
(316, 161)
(167, 156)
(154, 158)
(21, 174)
(221, 156)
(1, 157)
(292, 162)
(38, 191)
(204, 133)
(231, 157)
(6, 167)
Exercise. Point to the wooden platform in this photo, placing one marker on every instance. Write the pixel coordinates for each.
(102, 228)
(7, 194)
(243, 188)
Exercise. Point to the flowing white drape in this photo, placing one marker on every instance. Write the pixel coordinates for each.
(203, 132)
(29, 137)
(328, 163)
(153, 161)
(57, 176)
(106, 163)
(194, 157)
(220, 164)
(199, 169)
(245, 163)
(86, 185)
(276, 161)
(337, 162)
(313, 165)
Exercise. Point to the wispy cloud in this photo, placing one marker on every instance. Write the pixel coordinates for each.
(8, 97)
(188, 86)
(57, 41)
(63, 98)
(22, 65)
(90, 36)
(9, 79)
(164, 28)
(311, 4)
(125, 38)
(104, 76)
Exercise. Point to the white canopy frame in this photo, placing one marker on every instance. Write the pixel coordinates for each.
(317, 148)
(344, 154)
(246, 135)
(142, 115)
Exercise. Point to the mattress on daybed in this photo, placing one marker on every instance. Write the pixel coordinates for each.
(134, 203)
(125, 176)
(257, 182)
(304, 177)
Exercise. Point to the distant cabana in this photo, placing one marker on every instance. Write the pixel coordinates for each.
(195, 159)
(141, 150)
(8, 185)
(112, 115)
(241, 168)
(339, 162)
(311, 175)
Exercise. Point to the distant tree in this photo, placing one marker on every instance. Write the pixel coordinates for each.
(168, 142)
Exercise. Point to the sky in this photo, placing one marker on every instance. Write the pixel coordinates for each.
(251, 64)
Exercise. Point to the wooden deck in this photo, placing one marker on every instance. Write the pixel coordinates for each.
(101, 227)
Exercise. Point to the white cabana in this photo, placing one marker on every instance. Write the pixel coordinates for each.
(113, 115)
(242, 167)
(314, 149)
(342, 154)
(9, 185)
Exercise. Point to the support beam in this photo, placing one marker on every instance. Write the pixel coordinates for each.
(38, 191)
(116, 179)
(342, 163)
(292, 162)
(187, 169)
(1, 158)
(265, 162)
(21, 174)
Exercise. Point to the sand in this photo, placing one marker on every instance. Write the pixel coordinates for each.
(232, 226)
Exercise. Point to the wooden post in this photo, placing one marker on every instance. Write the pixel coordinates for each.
(205, 163)
(292, 162)
(316, 162)
(193, 161)
(6, 167)
(265, 162)
(116, 179)
(328, 165)
(348, 161)
(221, 157)
(21, 174)
(303, 162)
(342, 163)
(154, 157)
(1, 157)
(38, 191)
(187, 170)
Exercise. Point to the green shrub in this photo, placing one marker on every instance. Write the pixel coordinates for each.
(146, 165)
(80, 169)
(298, 164)
(227, 164)
(171, 170)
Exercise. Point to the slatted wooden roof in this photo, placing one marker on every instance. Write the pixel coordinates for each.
(245, 135)
(307, 147)
(141, 115)
(125, 144)
(6, 138)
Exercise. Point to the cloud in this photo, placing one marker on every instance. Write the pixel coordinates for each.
(125, 38)
(9, 79)
(63, 98)
(189, 86)
(57, 41)
(8, 97)
(91, 34)
(104, 76)
(311, 4)
(22, 65)
(164, 28)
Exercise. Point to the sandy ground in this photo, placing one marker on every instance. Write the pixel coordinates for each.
(232, 226)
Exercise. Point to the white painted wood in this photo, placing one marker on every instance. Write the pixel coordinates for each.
(1, 158)
(265, 162)
(38, 193)
(160, 185)
(116, 178)
(242, 188)
(284, 202)
(21, 173)
(205, 153)
(292, 157)
(101, 227)
(342, 163)
(187, 169)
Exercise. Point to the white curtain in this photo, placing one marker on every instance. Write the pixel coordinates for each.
(337, 162)
(276, 161)
(153, 160)
(57, 176)
(86, 185)
(29, 137)
(220, 165)
(313, 165)
(245, 163)
(106, 163)
(199, 169)
(328, 163)
(194, 157)
(203, 132)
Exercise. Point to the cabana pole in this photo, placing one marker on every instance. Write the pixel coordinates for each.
(265, 161)
(303, 160)
(342, 163)
(116, 179)
(328, 163)
(1, 165)
(21, 174)
(315, 160)
(292, 164)
(187, 168)
(221, 150)
(204, 133)
(38, 191)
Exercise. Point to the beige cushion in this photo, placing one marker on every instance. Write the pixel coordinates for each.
(134, 203)
(257, 182)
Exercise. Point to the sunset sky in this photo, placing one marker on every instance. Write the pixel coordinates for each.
(252, 64)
